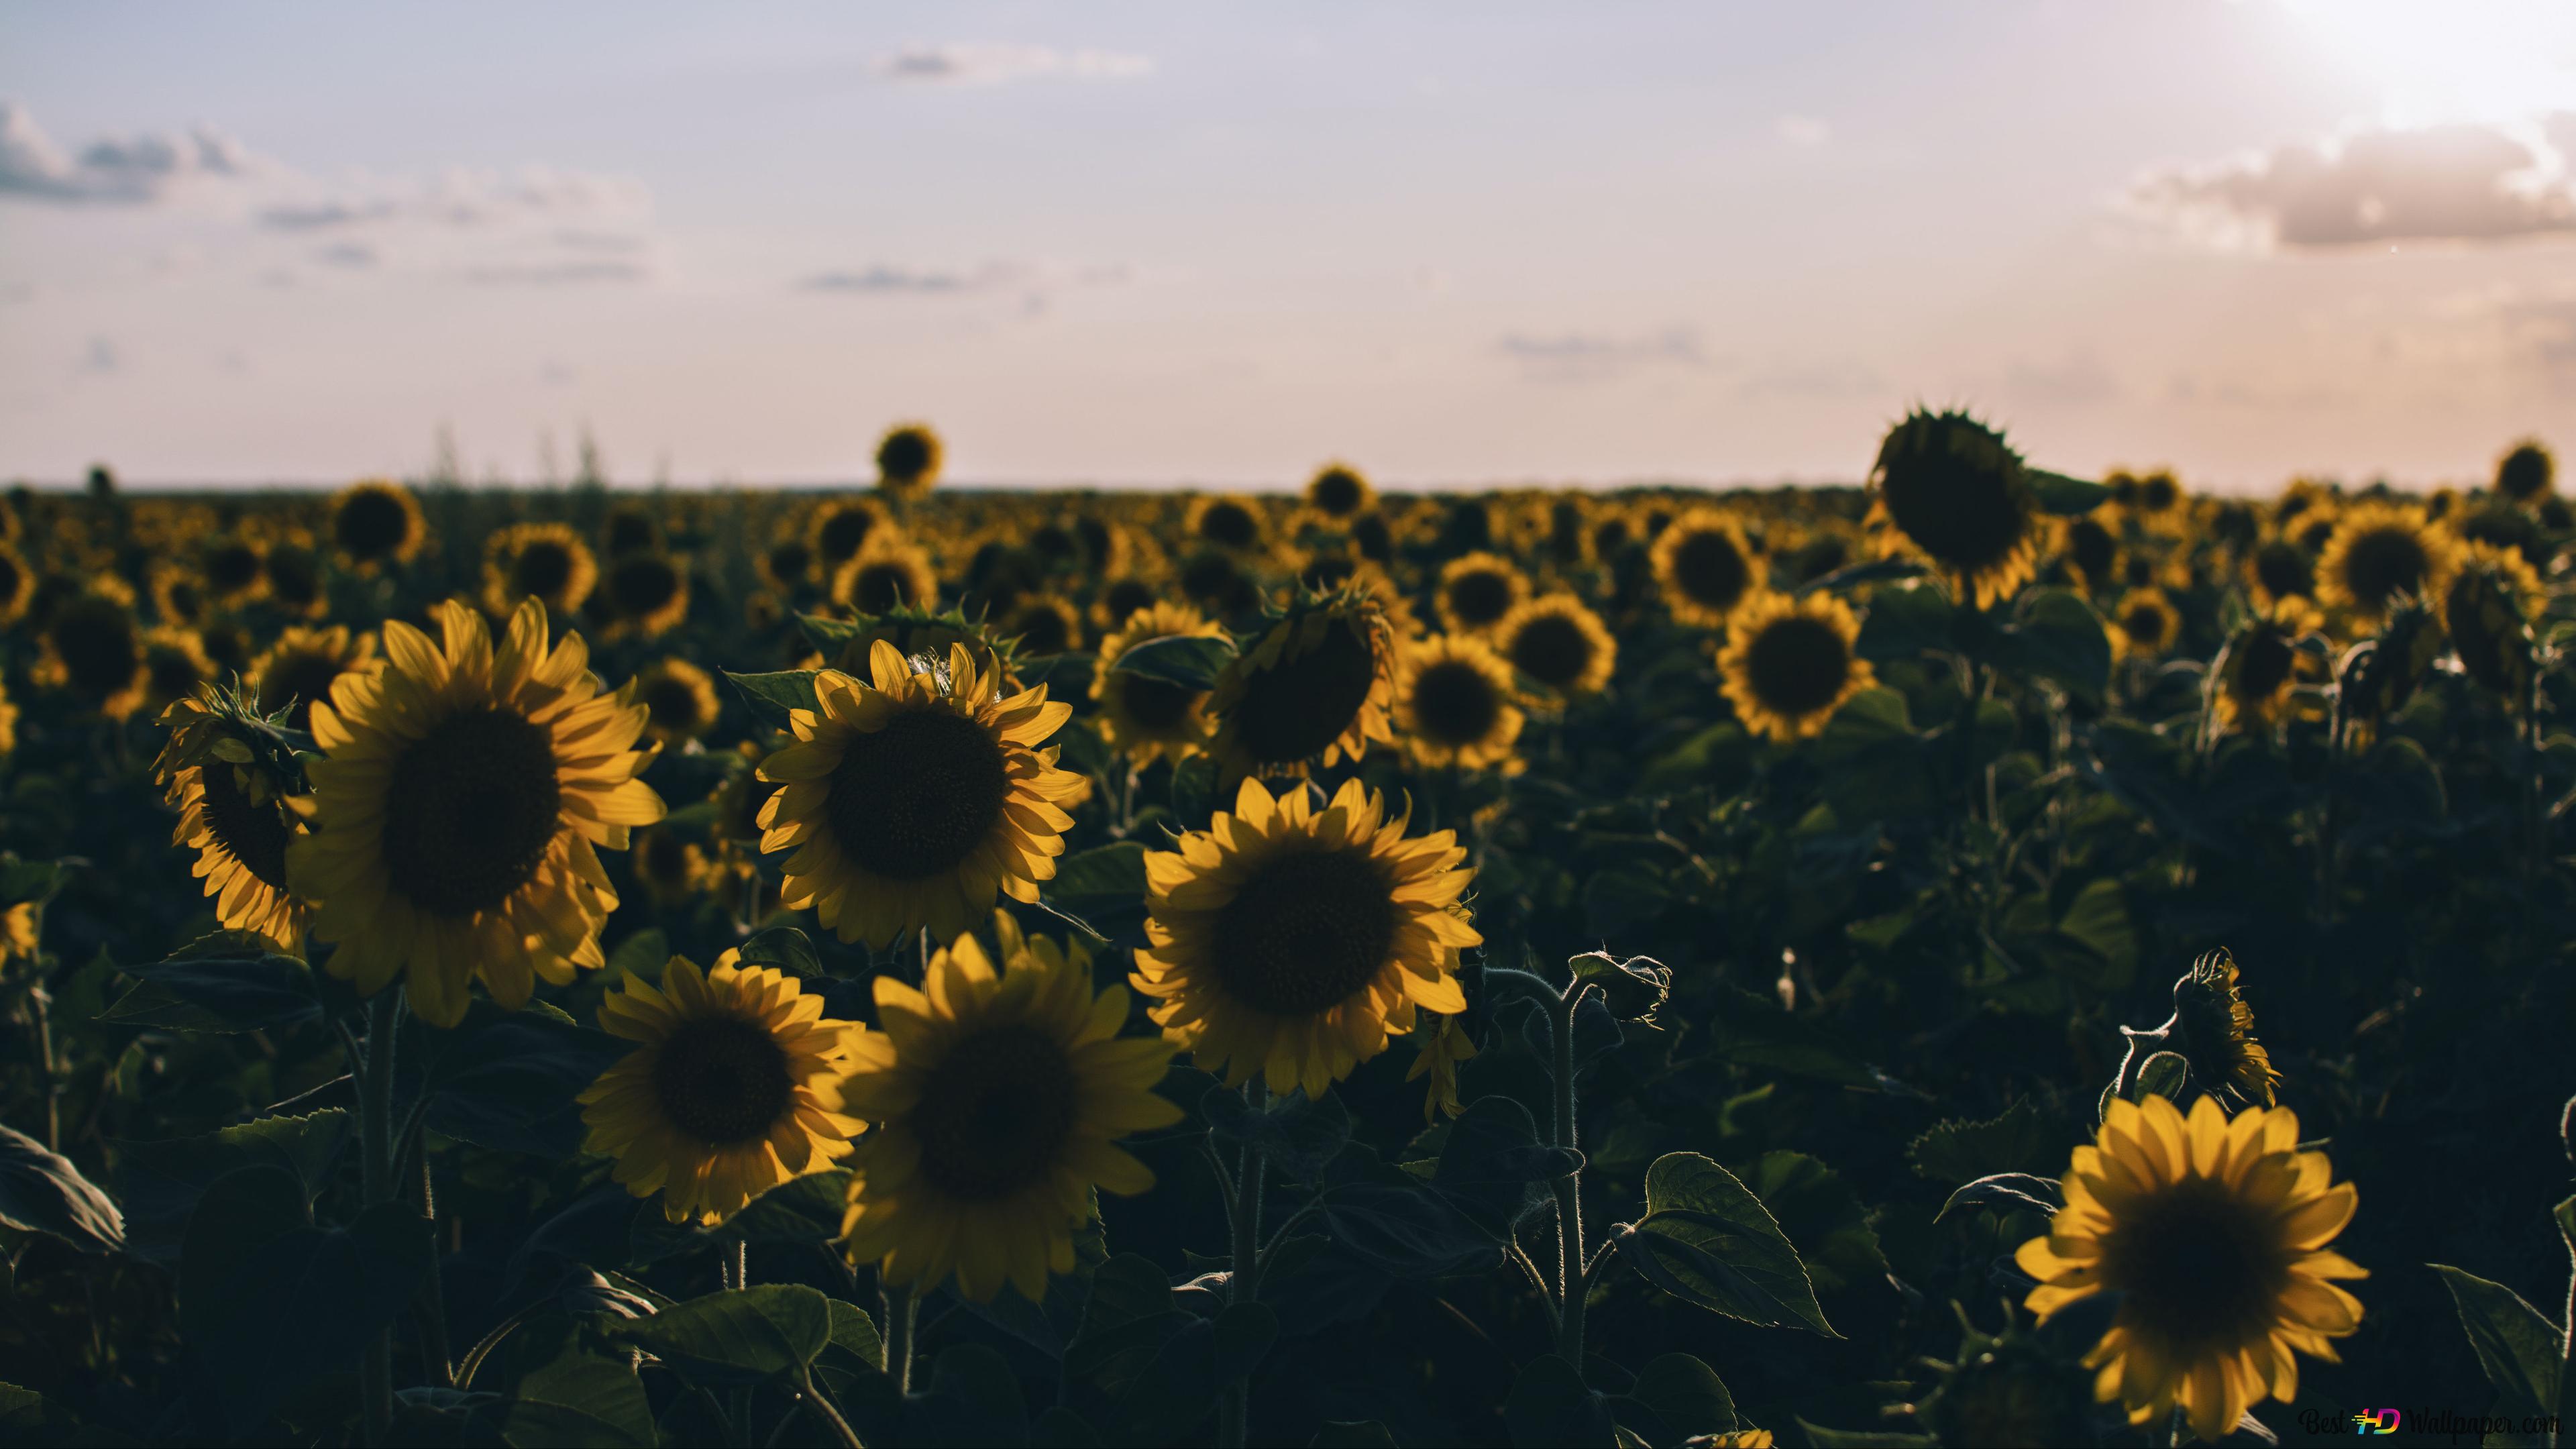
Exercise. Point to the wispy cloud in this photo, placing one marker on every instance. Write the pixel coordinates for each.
(975, 64)
(2456, 183)
(118, 169)
(1032, 283)
(1595, 357)
(1841, 377)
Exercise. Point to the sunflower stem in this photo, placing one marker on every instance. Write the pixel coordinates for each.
(39, 1009)
(433, 1293)
(1569, 1188)
(1234, 1425)
(902, 1309)
(823, 1406)
(376, 1173)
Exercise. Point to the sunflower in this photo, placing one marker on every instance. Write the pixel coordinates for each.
(2214, 1232)
(1444, 1044)
(908, 461)
(91, 646)
(785, 565)
(2253, 678)
(174, 664)
(2526, 473)
(887, 573)
(233, 570)
(2092, 549)
(375, 522)
(1949, 488)
(911, 797)
(1319, 681)
(679, 699)
(1338, 492)
(1119, 599)
(1454, 704)
(630, 528)
(2378, 552)
(17, 586)
(2157, 502)
(2280, 569)
(647, 593)
(233, 813)
(1789, 663)
(1476, 591)
(1555, 640)
(1217, 582)
(8, 722)
(544, 561)
(2489, 608)
(1226, 522)
(295, 581)
(998, 1096)
(735, 1086)
(298, 669)
(2144, 624)
(1147, 719)
(837, 529)
(1297, 942)
(179, 597)
(2216, 1028)
(461, 796)
(1705, 567)
(1042, 625)
(672, 871)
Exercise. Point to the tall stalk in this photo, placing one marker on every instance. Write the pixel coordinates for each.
(376, 1180)
(1234, 1412)
(1569, 1188)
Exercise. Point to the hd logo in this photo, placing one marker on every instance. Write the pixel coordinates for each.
(2376, 1421)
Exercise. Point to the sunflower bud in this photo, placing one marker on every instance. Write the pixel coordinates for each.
(2215, 1030)
(2526, 473)
(2488, 609)
(2013, 1389)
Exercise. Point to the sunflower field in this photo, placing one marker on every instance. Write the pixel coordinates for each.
(1986, 957)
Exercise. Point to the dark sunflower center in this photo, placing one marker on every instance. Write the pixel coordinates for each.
(1055, 543)
(1294, 709)
(2200, 1268)
(1480, 596)
(2381, 564)
(470, 811)
(788, 561)
(1963, 514)
(293, 578)
(1155, 705)
(2143, 623)
(904, 456)
(303, 678)
(2263, 663)
(914, 799)
(882, 586)
(1229, 525)
(844, 531)
(173, 670)
(10, 576)
(1711, 569)
(95, 640)
(2158, 492)
(996, 1114)
(1041, 631)
(1369, 534)
(2282, 568)
(255, 835)
(1798, 665)
(182, 603)
(1336, 493)
(1305, 932)
(2092, 547)
(371, 523)
(664, 858)
(641, 584)
(542, 568)
(1326, 572)
(2313, 536)
(1553, 650)
(1609, 536)
(629, 532)
(674, 705)
(228, 646)
(1126, 596)
(1094, 536)
(1454, 703)
(232, 568)
(722, 1080)
(1212, 580)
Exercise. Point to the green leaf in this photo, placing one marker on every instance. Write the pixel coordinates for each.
(805, 1210)
(1352, 1434)
(739, 1337)
(202, 989)
(1495, 1169)
(2518, 1347)
(1298, 1135)
(855, 1333)
(1753, 1031)
(783, 948)
(2097, 922)
(161, 1182)
(1128, 1320)
(568, 1392)
(507, 1080)
(974, 1399)
(2018, 1141)
(1708, 1240)
(1062, 1428)
(772, 696)
(1385, 1217)
(2059, 637)
(2005, 1192)
(642, 955)
(42, 1192)
(1904, 623)
(1676, 1397)
(1192, 661)
(2166, 1075)
(1550, 1406)
(1822, 1216)
(2064, 496)
(1104, 876)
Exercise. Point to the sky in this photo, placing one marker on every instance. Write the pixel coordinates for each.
(1160, 244)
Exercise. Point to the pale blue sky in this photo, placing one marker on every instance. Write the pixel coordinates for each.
(1163, 243)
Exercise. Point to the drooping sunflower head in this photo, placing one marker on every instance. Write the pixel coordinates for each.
(1556, 641)
(914, 795)
(999, 1092)
(1145, 718)
(17, 586)
(231, 779)
(2490, 607)
(1228, 522)
(2378, 676)
(908, 461)
(1338, 492)
(1320, 680)
(463, 789)
(1789, 663)
(2213, 1231)
(838, 528)
(1455, 706)
(298, 669)
(2144, 624)
(735, 1086)
(679, 699)
(2506, 526)
(2380, 553)
(1705, 567)
(2255, 675)
(91, 646)
(375, 522)
(1476, 590)
(647, 593)
(1950, 488)
(544, 561)
(1296, 941)
(887, 573)
(2526, 472)
(2216, 1028)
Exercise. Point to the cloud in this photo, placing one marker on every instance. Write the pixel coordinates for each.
(2079, 381)
(356, 255)
(970, 64)
(558, 273)
(101, 357)
(2454, 183)
(1033, 283)
(1833, 378)
(131, 170)
(1594, 357)
(1803, 130)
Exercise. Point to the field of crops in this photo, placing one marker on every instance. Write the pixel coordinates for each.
(1982, 958)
